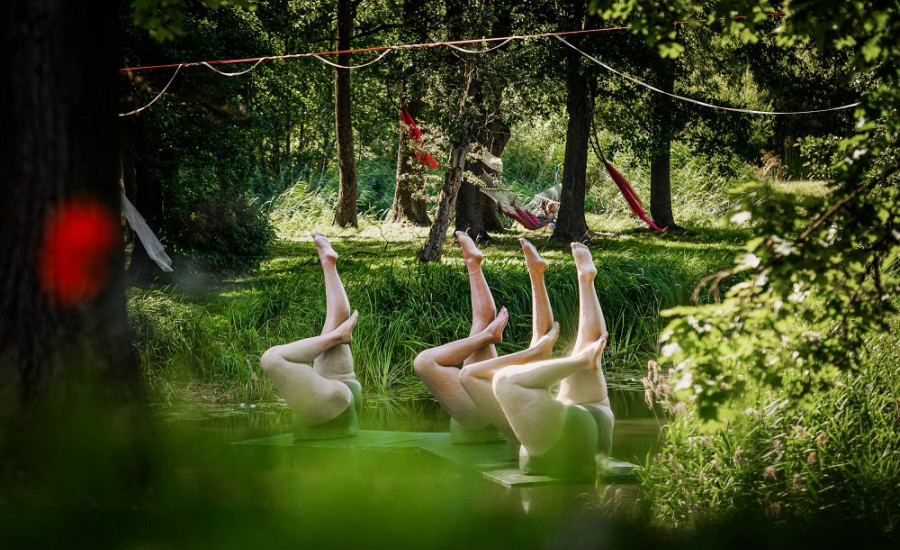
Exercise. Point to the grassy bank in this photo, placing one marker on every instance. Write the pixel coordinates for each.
(835, 460)
(202, 339)
(199, 339)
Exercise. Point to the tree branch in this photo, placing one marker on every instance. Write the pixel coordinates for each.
(838, 206)
(372, 30)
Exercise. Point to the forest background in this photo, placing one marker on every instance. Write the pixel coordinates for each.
(774, 361)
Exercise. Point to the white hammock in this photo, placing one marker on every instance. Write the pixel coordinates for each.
(154, 248)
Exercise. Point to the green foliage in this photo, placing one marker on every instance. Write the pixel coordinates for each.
(164, 19)
(226, 232)
(819, 267)
(836, 458)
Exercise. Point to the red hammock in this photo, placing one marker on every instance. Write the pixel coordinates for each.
(416, 135)
(525, 218)
(637, 207)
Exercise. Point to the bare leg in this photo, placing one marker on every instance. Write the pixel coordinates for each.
(437, 367)
(585, 386)
(336, 363)
(313, 398)
(591, 324)
(541, 312)
(483, 309)
(477, 378)
(523, 391)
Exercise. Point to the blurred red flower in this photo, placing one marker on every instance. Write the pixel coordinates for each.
(74, 262)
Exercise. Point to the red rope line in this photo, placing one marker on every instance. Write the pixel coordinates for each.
(372, 49)
(407, 46)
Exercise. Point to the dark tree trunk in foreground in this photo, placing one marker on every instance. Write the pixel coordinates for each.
(409, 204)
(69, 380)
(571, 225)
(660, 160)
(434, 246)
(345, 212)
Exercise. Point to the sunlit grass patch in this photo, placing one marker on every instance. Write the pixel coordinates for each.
(802, 188)
(207, 346)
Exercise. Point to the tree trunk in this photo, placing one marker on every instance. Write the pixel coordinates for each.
(148, 169)
(469, 214)
(409, 204)
(660, 159)
(499, 137)
(67, 367)
(434, 246)
(345, 212)
(571, 225)
(476, 213)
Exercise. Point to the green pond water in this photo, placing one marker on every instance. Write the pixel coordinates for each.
(380, 497)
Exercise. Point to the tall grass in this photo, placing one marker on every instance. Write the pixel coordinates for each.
(207, 346)
(837, 458)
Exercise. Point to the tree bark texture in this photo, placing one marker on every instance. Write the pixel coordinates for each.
(476, 214)
(434, 246)
(571, 224)
(345, 211)
(499, 137)
(469, 213)
(409, 204)
(58, 92)
(660, 160)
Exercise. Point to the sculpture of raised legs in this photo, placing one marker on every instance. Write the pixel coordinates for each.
(477, 378)
(315, 375)
(467, 394)
(561, 434)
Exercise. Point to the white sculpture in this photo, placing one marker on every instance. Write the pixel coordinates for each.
(315, 375)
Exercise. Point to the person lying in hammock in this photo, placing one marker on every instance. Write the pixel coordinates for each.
(467, 394)
(525, 218)
(315, 375)
(548, 214)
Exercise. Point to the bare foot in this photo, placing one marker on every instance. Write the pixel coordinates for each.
(470, 252)
(533, 260)
(495, 328)
(543, 348)
(592, 352)
(584, 263)
(327, 255)
(344, 331)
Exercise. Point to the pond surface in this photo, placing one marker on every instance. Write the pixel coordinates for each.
(391, 496)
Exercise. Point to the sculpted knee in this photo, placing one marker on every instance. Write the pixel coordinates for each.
(466, 377)
(422, 364)
(503, 384)
(270, 360)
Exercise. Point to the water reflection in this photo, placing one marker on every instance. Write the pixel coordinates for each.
(385, 487)
(636, 433)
